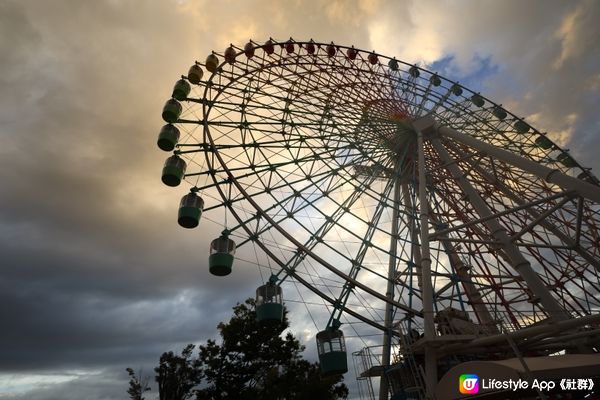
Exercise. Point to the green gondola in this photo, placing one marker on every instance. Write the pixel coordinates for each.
(414, 71)
(521, 126)
(195, 74)
(171, 111)
(456, 89)
(477, 100)
(173, 171)
(249, 50)
(499, 112)
(181, 90)
(269, 303)
(190, 210)
(332, 352)
(212, 62)
(221, 257)
(229, 55)
(543, 142)
(168, 137)
(567, 160)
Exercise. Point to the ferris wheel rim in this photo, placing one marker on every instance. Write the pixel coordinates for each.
(206, 131)
(456, 83)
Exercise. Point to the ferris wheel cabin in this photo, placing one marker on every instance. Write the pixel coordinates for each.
(171, 111)
(195, 74)
(221, 257)
(181, 90)
(332, 352)
(269, 303)
(173, 171)
(168, 137)
(190, 209)
(212, 62)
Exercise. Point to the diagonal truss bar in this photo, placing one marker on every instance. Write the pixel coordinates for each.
(516, 259)
(364, 246)
(584, 189)
(463, 272)
(541, 217)
(569, 242)
(330, 222)
(568, 196)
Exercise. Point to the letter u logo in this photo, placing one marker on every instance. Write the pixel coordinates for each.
(468, 384)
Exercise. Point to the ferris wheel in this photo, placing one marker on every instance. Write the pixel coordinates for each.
(411, 206)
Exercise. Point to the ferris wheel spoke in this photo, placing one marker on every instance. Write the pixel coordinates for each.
(557, 206)
(413, 240)
(256, 110)
(330, 222)
(332, 89)
(585, 189)
(362, 251)
(442, 100)
(252, 105)
(425, 97)
(299, 100)
(323, 177)
(338, 272)
(406, 88)
(477, 122)
(463, 273)
(567, 197)
(344, 276)
(315, 290)
(271, 166)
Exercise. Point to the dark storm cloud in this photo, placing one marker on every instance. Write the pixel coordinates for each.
(94, 270)
(56, 328)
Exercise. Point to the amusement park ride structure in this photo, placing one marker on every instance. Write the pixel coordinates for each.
(412, 206)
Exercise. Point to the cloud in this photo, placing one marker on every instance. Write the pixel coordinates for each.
(544, 54)
(92, 385)
(95, 274)
(573, 35)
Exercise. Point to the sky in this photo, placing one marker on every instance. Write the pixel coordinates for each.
(95, 274)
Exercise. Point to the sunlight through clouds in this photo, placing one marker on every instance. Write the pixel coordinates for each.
(14, 384)
(569, 36)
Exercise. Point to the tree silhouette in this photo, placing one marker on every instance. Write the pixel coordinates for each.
(177, 375)
(252, 361)
(138, 385)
